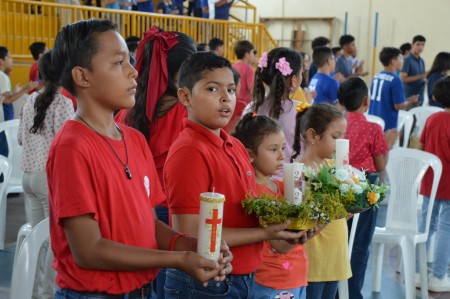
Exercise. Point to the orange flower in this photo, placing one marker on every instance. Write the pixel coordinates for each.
(373, 197)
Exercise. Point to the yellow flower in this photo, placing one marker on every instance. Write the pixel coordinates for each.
(373, 197)
(302, 106)
(355, 179)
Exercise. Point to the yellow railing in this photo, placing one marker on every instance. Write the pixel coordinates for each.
(24, 22)
(244, 5)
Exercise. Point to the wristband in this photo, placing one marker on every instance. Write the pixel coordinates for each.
(174, 239)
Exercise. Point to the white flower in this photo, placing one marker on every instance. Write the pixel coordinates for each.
(344, 188)
(357, 189)
(342, 175)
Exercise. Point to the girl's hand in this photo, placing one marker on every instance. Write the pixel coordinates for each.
(224, 261)
(278, 232)
(200, 268)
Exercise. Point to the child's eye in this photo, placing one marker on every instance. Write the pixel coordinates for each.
(212, 89)
(232, 90)
(119, 62)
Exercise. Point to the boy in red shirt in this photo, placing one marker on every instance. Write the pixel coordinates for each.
(368, 151)
(205, 158)
(103, 183)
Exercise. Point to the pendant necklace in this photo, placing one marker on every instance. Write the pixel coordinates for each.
(125, 165)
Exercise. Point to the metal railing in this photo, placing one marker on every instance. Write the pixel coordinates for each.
(24, 22)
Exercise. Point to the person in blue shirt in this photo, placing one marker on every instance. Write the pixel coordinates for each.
(322, 83)
(319, 41)
(438, 71)
(223, 9)
(345, 63)
(386, 92)
(413, 73)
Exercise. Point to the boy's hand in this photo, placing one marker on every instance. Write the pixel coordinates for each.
(2, 98)
(391, 136)
(224, 260)
(310, 95)
(412, 100)
(278, 232)
(202, 269)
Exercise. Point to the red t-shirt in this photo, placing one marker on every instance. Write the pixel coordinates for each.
(34, 71)
(85, 177)
(247, 79)
(163, 133)
(281, 271)
(200, 161)
(436, 140)
(366, 142)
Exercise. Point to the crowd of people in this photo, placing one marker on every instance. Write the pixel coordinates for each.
(120, 137)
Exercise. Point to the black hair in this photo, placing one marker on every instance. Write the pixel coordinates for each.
(334, 50)
(133, 39)
(317, 117)
(320, 41)
(214, 43)
(321, 56)
(418, 38)
(36, 49)
(132, 46)
(441, 92)
(75, 45)
(3, 52)
(346, 39)
(441, 63)
(278, 84)
(236, 75)
(387, 54)
(136, 116)
(46, 97)
(405, 47)
(241, 47)
(252, 129)
(305, 72)
(193, 68)
(352, 92)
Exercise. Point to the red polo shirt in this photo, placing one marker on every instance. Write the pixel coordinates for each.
(366, 141)
(200, 161)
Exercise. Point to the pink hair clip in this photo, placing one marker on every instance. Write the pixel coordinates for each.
(283, 66)
(263, 61)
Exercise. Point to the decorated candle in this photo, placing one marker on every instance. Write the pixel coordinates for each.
(210, 225)
(293, 182)
(342, 148)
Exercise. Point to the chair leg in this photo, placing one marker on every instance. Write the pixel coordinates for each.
(2, 220)
(378, 252)
(409, 261)
(423, 269)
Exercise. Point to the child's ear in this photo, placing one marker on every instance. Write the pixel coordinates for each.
(312, 136)
(184, 96)
(79, 77)
(366, 101)
(251, 155)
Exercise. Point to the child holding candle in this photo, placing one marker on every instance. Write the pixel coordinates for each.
(103, 183)
(205, 158)
(320, 125)
(368, 151)
(284, 267)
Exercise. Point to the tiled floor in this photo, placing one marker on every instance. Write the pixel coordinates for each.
(391, 288)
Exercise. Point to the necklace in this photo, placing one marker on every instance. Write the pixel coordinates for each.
(125, 165)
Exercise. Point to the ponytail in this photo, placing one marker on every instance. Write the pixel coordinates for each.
(297, 146)
(44, 99)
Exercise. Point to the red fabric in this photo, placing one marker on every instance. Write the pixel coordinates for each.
(236, 117)
(247, 78)
(34, 71)
(157, 82)
(366, 141)
(85, 177)
(67, 94)
(281, 271)
(200, 161)
(163, 133)
(436, 140)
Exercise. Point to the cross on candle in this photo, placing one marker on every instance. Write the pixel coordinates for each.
(215, 221)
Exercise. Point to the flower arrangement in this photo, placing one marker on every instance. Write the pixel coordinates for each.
(355, 192)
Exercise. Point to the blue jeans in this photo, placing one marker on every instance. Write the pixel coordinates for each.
(440, 222)
(70, 294)
(162, 213)
(179, 285)
(3, 149)
(322, 290)
(361, 244)
(262, 292)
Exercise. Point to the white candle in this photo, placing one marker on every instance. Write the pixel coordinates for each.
(342, 148)
(210, 225)
(293, 182)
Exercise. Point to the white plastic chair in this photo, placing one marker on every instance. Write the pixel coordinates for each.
(5, 168)
(21, 235)
(421, 115)
(406, 169)
(375, 119)
(405, 122)
(24, 270)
